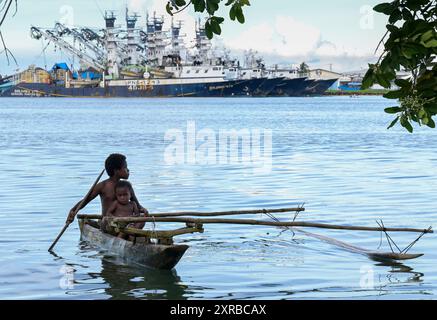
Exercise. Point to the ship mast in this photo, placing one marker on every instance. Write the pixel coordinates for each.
(203, 44)
(84, 58)
(111, 46)
(63, 30)
(176, 42)
(132, 38)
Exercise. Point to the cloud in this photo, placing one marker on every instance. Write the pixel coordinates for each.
(137, 5)
(295, 36)
(290, 41)
(286, 36)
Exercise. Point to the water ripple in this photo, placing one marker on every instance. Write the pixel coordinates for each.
(333, 153)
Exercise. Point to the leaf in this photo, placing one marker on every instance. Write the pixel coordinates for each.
(208, 30)
(406, 124)
(382, 80)
(385, 8)
(431, 44)
(199, 5)
(418, 49)
(232, 13)
(427, 35)
(415, 4)
(393, 122)
(406, 14)
(215, 27)
(240, 15)
(211, 6)
(425, 120)
(392, 110)
(396, 94)
(395, 16)
(403, 83)
(368, 79)
(431, 108)
(392, 28)
(431, 123)
(180, 3)
(219, 19)
(169, 9)
(428, 93)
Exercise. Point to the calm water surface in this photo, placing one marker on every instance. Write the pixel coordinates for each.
(333, 153)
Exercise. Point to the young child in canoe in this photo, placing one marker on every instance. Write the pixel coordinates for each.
(123, 206)
(116, 168)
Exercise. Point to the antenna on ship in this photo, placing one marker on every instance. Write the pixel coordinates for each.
(111, 44)
(132, 37)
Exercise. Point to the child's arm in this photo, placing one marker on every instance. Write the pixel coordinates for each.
(135, 200)
(96, 191)
(111, 210)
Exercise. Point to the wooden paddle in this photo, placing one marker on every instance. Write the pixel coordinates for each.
(76, 211)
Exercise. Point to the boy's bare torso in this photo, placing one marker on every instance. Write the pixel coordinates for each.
(107, 194)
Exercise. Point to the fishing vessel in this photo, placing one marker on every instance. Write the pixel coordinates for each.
(137, 61)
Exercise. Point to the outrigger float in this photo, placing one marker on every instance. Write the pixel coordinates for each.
(156, 249)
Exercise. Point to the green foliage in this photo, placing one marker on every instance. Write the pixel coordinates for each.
(410, 44)
(212, 24)
(303, 68)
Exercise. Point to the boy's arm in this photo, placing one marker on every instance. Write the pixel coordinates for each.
(135, 200)
(136, 210)
(96, 191)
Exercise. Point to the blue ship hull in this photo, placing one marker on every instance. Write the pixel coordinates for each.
(212, 89)
(236, 88)
(267, 86)
(318, 87)
(231, 88)
(290, 88)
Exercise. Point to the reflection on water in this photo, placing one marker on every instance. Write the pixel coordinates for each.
(130, 282)
(400, 268)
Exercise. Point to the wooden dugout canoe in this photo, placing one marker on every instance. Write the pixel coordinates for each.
(157, 256)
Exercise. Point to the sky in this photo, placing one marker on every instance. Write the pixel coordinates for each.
(337, 34)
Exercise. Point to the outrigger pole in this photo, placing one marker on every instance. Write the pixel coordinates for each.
(205, 214)
(157, 218)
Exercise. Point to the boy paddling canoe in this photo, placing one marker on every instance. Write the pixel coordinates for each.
(116, 168)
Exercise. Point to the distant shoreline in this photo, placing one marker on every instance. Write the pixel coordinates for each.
(367, 92)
